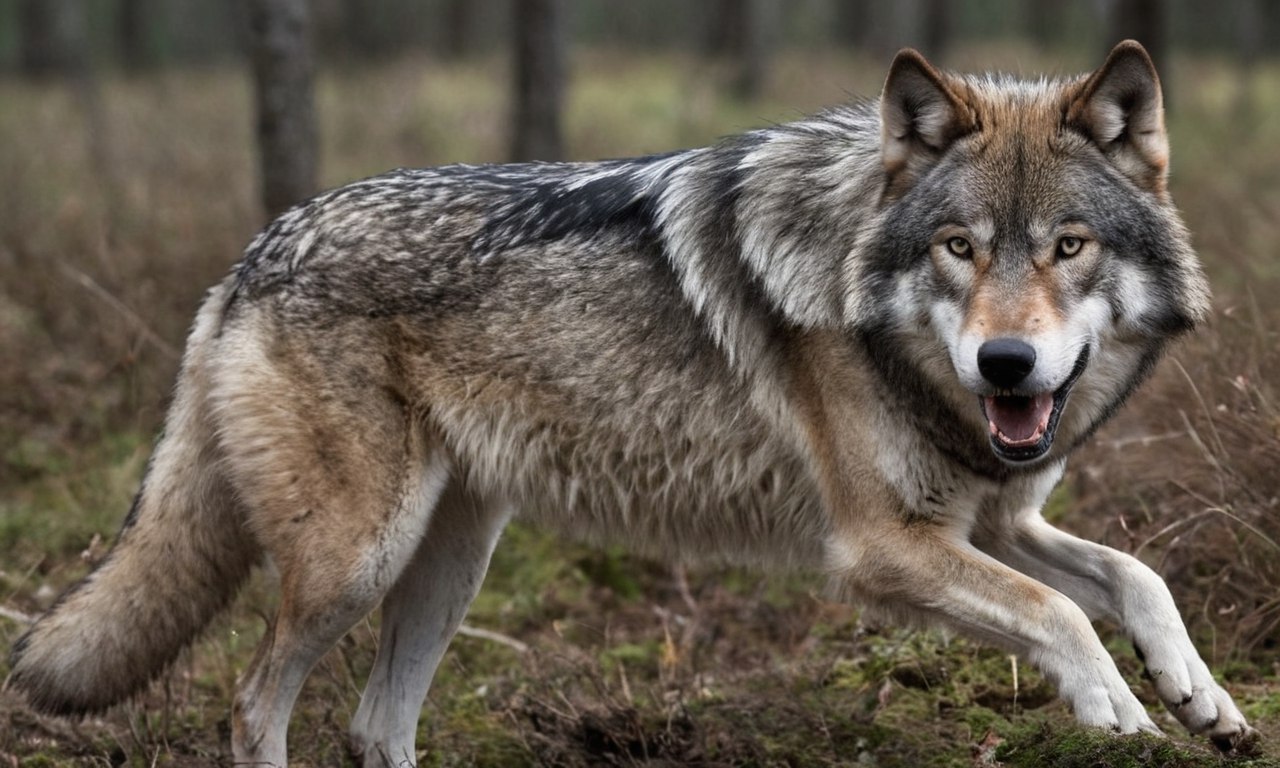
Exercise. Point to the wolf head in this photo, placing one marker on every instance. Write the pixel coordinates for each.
(1026, 230)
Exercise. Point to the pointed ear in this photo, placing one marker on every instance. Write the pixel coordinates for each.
(1120, 108)
(920, 114)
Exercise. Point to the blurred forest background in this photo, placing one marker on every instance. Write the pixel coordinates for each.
(144, 142)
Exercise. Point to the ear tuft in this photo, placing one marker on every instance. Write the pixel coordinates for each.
(1120, 108)
(920, 114)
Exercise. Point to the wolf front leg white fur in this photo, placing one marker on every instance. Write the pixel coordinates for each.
(1112, 585)
(942, 580)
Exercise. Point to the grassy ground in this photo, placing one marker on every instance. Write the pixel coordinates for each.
(113, 220)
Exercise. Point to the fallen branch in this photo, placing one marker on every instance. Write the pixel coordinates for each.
(18, 616)
(497, 637)
(92, 286)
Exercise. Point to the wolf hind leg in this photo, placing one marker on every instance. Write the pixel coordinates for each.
(326, 588)
(338, 484)
(419, 616)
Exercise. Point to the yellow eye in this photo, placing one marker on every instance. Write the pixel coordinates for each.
(1069, 246)
(959, 247)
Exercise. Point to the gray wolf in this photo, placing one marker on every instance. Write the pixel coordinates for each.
(864, 344)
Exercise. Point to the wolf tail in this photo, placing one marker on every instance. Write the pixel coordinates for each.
(180, 558)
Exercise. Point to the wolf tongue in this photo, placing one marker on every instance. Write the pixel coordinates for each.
(1019, 419)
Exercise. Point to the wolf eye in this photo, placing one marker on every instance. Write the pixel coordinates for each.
(959, 247)
(1069, 246)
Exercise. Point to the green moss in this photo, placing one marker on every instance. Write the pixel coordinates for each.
(42, 761)
(1059, 504)
(613, 569)
(1264, 708)
(68, 498)
(467, 731)
(632, 656)
(1075, 747)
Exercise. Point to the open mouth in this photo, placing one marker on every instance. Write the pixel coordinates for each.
(1022, 426)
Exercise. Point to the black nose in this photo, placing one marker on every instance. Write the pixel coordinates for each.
(1006, 362)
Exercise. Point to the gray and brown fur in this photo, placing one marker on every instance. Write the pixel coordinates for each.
(745, 353)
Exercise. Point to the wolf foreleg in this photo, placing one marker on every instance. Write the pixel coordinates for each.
(922, 572)
(1112, 585)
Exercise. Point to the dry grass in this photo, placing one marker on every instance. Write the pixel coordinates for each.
(1190, 479)
(108, 237)
(1188, 476)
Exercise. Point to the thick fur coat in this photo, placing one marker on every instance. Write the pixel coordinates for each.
(861, 344)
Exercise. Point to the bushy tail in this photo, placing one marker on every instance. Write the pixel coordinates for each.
(180, 558)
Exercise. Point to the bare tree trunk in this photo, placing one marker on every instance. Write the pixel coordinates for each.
(902, 25)
(539, 80)
(1270, 28)
(135, 29)
(937, 29)
(53, 37)
(363, 37)
(459, 26)
(1044, 22)
(1248, 32)
(737, 35)
(1248, 44)
(854, 24)
(1144, 21)
(283, 68)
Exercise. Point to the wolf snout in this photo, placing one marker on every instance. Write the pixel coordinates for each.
(1006, 362)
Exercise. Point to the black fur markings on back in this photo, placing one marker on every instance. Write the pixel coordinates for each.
(545, 202)
(516, 205)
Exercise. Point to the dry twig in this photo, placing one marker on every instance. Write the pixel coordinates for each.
(496, 637)
(17, 616)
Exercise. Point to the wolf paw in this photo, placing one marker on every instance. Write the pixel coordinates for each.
(1246, 742)
(1117, 711)
(1210, 711)
(1191, 694)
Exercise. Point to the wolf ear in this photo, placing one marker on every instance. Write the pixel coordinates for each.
(1120, 108)
(920, 115)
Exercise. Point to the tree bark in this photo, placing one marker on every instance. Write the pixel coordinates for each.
(854, 25)
(1248, 44)
(937, 29)
(135, 29)
(53, 36)
(737, 35)
(1270, 28)
(363, 37)
(539, 80)
(1144, 21)
(283, 73)
(459, 26)
(1044, 22)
